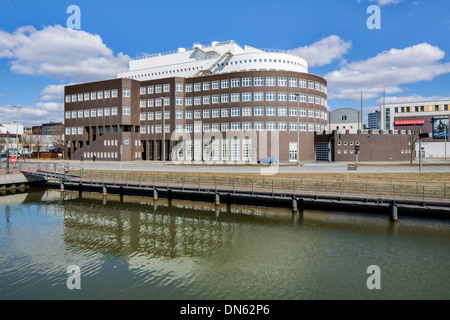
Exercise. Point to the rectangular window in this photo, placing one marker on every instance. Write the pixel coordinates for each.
(80, 114)
(206, 113)
(270, 111)
(310, 99)
(143, 116)
(282, 111)
(215, 85)
(311, 127)
(258, 111)
(150, 116)
(126, 92)
(178, 87)
(235, 83)
(215, 113)
(225, 126)
(225, 98)
(179, 128)
(67, 131)
(189, 101)
(74, 98)
(282, 126)
(247, 96)
(188, 114)
(143, 103)
(67, 99)
(74, 114)
(166, 87)
(246, 82)
(258, 96)
(206, 127)
(235, 112)
(197, 86)
(197, 101)
(126, 110)
(310, 84)
(158, 88)
(246, 126)
(93, 112)
(80, 130)
(235, 126)
(292, 82)
(150, 103)
(74, 130)
(114, 93)
(189, 87)
(225, 84)
(86, 113)
(179, 114)
(235, 97)
(215, 99)
(246, 112)
(67, 114)
(179, 101)
(80, 97)
(259, 81)
(282, 82)
(114, 111)
(206, 85)
(292, 112)
(270, 96)
(225, 149)
(292, 126)
(206, 99)
(225, 112)
(197, 114)
(270, 125)
(216, 127)
(282, 96)
(259, 125)
(302, 83)
(189, 128)
(143, 90)
(270, 81)
(166, 115)
(317, 86)
(86, 97)
(150, 89)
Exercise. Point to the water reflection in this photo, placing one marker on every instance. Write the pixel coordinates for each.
(134, 247)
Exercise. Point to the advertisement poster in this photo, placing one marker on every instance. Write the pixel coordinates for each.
(440, 128)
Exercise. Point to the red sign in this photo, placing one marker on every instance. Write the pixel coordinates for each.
(13, 160)
(408, 122)
(356, 148)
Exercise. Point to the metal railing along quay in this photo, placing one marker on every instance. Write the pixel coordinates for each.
(415, 192)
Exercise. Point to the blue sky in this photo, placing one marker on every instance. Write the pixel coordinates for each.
(408, 57)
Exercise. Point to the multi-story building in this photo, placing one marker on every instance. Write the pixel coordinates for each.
(373, 120)
(220, 102)
(426, 117)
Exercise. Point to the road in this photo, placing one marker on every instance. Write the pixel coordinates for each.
(428, 166)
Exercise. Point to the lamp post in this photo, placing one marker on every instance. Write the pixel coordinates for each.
(163, 130)
(17, 130)
(298, 128)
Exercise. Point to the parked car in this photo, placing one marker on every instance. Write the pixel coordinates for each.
(268, 160)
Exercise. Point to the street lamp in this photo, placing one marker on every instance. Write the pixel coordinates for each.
(298, 128)
(163, 131)
(17, 130)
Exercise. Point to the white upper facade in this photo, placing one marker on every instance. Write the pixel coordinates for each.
(215, 58)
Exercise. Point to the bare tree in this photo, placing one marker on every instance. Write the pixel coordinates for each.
(58, 133)
(27, 142)
(3, 143)
(37, 140)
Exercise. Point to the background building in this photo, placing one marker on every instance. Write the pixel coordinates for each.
(374, 119)
(344, 119)
(427, 117)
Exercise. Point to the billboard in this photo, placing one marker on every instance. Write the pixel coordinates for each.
(440, 128)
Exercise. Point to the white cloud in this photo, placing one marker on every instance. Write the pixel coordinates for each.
(324, 51)
(61, 53)
(412, 98)
(385, 2)
(387, 71)
(53, 92)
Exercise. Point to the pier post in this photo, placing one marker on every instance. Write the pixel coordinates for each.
(393, 212)
(13, 188)
(217, 199)
(104, 191)
(61, 188)
(3, 189)
(294, 205)
(155, 194)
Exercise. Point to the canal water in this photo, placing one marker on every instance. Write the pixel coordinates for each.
(133, 248)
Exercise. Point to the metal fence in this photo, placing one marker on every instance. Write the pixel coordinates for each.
(406, 191)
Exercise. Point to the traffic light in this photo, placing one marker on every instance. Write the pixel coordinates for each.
(423, 135)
